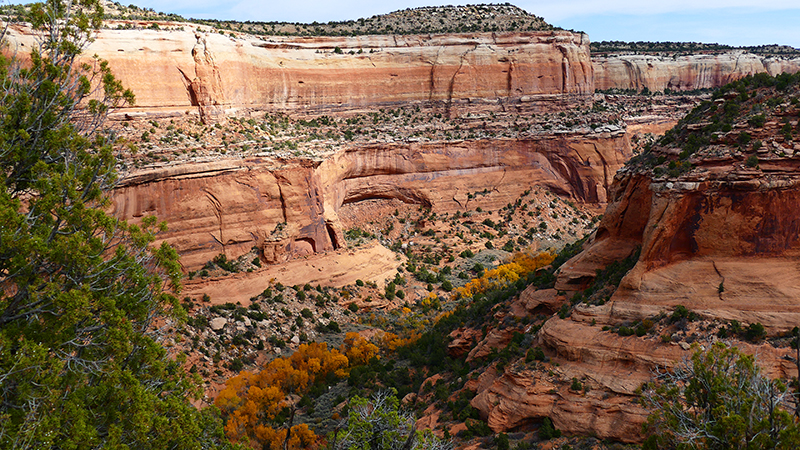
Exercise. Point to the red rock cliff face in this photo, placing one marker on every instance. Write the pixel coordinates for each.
(229, 207)
(724, 247)
(723, 243)
(683, 73)
(181, 69)
(290, 210)
(722, 240)
(722, 226)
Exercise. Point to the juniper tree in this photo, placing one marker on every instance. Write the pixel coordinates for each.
(719, 400)
(82, 295)
(380, 424)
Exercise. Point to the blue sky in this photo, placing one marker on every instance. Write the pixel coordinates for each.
(732, 22)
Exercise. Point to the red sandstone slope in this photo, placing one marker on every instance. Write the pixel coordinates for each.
(714, 209)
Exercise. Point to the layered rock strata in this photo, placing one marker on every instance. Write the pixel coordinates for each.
(180, 69)
(722, 241)
(186, 69)
(291, 209)
(722, 244)
(683, 73)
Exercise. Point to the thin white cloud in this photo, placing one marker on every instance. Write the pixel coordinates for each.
(309, 10)
(672, 17)
(554, 11)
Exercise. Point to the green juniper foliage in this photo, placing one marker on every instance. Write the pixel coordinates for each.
(82, 294)
(380, 424)
(719, 400)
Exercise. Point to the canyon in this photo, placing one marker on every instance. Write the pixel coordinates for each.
(291, 210)
(484, 119)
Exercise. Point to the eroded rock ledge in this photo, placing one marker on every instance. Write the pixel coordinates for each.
(290, 208)
(722, 241)
(684, 73)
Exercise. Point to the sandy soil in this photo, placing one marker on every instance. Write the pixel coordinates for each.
(372, 262)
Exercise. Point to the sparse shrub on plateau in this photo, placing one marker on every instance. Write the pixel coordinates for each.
(81, 364)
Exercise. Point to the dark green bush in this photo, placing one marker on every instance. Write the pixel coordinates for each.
(547, 431)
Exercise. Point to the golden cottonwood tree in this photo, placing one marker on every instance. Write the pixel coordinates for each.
(521, 264)
(253, 402)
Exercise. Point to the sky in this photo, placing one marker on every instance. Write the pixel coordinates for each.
(731, 22)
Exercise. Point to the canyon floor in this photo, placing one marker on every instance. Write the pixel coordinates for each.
(402, 262)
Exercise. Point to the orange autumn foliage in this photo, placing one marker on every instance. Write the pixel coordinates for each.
(301, 437)
(250, 401)
(391, 342)
(521, 265)
(358, 350)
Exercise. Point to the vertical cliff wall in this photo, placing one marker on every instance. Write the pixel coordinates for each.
(684, 73)
(291, 210)
(211, 71)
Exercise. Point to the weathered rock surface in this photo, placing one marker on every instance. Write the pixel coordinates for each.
(229, 207)
(290, 210)
(534, 301)
(683, 73)
(462, 341)
(611, 367)
(496, 338)
(218, 323)
(725, 248)
(517, 398)
(722, 239)
(178, 70)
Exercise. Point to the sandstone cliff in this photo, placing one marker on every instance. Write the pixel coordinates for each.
(291, 209)
(178, 69)
(684, 73)
(186, 69)
(713, 212)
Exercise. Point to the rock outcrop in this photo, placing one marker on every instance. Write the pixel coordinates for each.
(291, 209)
(711, 211)
(683, 73)
(230, 206)
(725, 248)
(717, 225)
(611, 368)
(722, 241)
(518, 398)
(180, 69)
